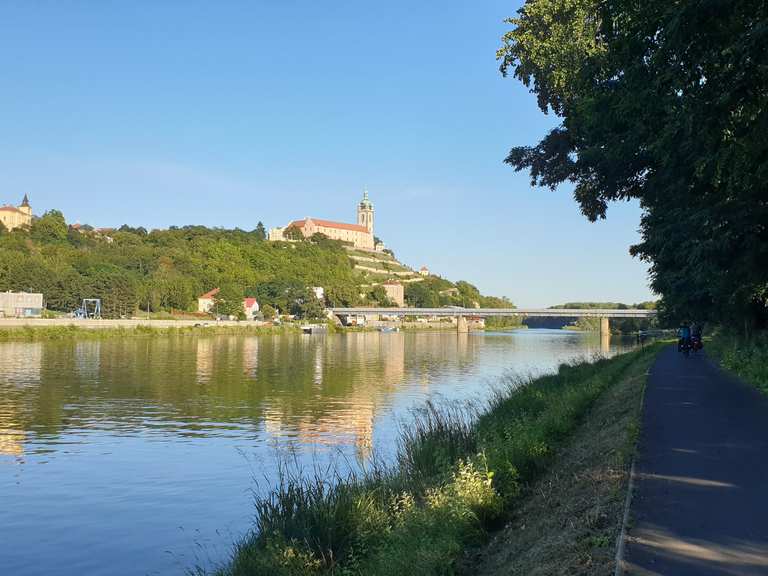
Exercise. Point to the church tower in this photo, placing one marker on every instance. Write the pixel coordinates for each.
(365, 212)
(24, 207)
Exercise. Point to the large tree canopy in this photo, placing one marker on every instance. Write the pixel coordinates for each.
(665, 102)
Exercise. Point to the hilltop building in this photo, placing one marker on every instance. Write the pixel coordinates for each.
(16, 216)
(360, 235)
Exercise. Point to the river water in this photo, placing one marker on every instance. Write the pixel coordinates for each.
(141, 456)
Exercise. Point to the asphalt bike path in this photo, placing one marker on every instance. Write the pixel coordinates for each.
(700, 505)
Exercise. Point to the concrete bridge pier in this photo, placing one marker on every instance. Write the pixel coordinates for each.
(605, 335)
(462, 326)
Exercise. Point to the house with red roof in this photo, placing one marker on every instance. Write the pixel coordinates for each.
(207, 301)
(251, 307)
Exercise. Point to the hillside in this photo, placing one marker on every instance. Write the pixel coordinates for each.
(132, 269)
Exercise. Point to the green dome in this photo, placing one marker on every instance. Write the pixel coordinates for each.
(366, 202)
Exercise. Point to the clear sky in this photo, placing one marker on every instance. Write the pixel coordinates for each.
(160, 113)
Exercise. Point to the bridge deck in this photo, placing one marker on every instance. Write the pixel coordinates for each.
(485, 312)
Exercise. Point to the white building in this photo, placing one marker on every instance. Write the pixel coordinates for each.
(21, 305)
(319, 292)
(16, 216)
(205, 301)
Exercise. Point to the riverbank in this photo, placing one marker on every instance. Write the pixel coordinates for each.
(568, 520)
(67, 328)
(102, 329)
(458, 475)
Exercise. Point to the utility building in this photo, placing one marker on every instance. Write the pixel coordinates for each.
(21, 305)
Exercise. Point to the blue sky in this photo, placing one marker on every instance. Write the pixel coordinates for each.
(227, 113)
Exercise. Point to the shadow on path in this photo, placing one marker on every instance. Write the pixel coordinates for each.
(701, 499)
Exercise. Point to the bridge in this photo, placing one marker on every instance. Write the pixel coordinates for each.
(462, 313)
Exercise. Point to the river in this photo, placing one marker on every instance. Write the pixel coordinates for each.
(141, 455)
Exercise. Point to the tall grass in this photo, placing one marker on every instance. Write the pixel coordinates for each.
(747, 357)
(74, 332)
(457, 473)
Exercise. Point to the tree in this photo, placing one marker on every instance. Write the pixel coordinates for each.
(294, 233)
(419, 295)
(469, 294)
(3, 229)
(116, 288)
(50, 227)
(260, 231)
(308, 307)
(229, 301)
(267, 311)
(379, 296)
(342, 296)
(666, 103)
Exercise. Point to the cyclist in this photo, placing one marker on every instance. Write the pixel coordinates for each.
(696, 337)
(684, 336)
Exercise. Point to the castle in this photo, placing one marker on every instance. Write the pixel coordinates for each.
(15, 217)
(360, 235)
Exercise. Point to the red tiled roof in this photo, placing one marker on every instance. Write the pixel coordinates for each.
(330, 224)
(249, 302)
(9, 209)
(210, 294)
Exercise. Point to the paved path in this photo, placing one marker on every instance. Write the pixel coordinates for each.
(701, 493)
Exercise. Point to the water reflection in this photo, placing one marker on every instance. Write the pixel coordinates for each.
(138, 437)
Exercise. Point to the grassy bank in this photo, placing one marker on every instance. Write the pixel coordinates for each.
(568, 520)
(747, 357)
(73, 332)
(457, 476)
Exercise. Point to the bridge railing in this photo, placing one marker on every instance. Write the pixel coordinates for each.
(485, 312)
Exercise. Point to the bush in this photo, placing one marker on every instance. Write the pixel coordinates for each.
(747, 357)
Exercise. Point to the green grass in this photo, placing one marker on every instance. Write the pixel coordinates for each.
(73, 332)
(458, 473)
(746, 357)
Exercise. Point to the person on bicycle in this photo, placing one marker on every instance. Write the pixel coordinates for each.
(696, 340)
(684, 336)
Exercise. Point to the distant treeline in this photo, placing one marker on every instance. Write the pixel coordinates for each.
(618, 325)
(134, 269)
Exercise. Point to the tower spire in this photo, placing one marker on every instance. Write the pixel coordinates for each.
(25, 201)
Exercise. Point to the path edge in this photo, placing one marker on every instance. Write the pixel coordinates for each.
(621, 539)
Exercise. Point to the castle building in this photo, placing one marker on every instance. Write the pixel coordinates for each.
(359, 235)
(16, 216)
